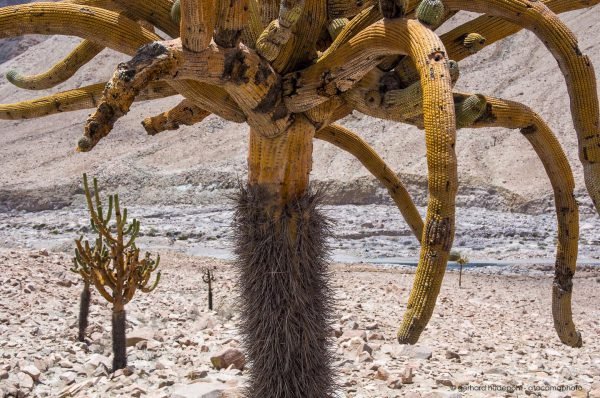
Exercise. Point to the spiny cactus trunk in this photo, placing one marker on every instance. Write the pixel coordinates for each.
(280, 237)
(286, 299)
(118, 339)
(84, 310)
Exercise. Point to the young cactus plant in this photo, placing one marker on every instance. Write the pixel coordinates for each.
(113, 265)
(208, 277)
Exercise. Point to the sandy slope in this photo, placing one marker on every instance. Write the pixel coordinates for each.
(39, 163)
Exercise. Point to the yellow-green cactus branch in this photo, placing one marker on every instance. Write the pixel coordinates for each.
(185, 113)
(356, 146)
(474, 42)
(337, 72)
(301, 48)
(279, 31)
(73, 100)
(60, 72)
(198, 19)
(156, 12)
(104, 27)
(509, 114)
(363, 20)
(469, 109)
(176, 12)
(212, 98)
(231, 20)
(496, 28)
(576, 67)
(254, 27)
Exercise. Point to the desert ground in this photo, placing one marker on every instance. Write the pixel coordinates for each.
(493, 337)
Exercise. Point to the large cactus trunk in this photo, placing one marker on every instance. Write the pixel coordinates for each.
(282, 267)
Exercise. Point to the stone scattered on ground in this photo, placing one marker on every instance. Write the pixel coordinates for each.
(494, 332)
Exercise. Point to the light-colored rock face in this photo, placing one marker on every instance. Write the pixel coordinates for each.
(495, 330)
(39, 162)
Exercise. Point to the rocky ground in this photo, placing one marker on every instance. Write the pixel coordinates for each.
(494, 333)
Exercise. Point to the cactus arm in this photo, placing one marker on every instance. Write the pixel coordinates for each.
(96, 222)
(254, 27)
(337, 72)
(401, 36)
(100, 287)
(576, 68)
(112, 30)
(104, 27)
(279, 31)
(185, 113)
(459, 41)
(212, 98)
(149, 289)
(513, 115)
(355, 145)
(152, 62)
(73, 100)
(156, 12)
(301, 47)
(347, 9)
(363, 20)
(232, 18)
(60, 72)
(198, 20)
(495, 28)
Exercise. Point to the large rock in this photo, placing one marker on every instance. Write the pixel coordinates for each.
(228, 357)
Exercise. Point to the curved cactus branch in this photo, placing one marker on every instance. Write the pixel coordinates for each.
(575, 66)
(198, 19)
(101, 26)
(185, 113)
(356, 146)
(279, 31)
(347, 9)
(156, 12)
(153, 62)
(496, 28)
(301, 46)
(513, 115)
(232, 18)
(73, 100)
(60, 72)
(466, 39)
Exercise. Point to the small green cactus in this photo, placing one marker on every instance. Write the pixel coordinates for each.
(431, 12)
(208, 277)
(113, 265)
(474, 42)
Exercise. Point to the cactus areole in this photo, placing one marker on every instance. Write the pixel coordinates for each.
(290, 69)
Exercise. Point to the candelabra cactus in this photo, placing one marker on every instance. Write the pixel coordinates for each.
(208, 277)
(290, 70)
(113, 264)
